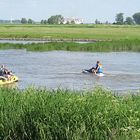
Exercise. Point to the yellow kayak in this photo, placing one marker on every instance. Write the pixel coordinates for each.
(12, 79)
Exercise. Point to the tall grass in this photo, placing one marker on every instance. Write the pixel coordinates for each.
(106, 46)
(94, 115)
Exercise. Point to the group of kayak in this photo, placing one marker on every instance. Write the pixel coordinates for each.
(6, 76)
(97, 70)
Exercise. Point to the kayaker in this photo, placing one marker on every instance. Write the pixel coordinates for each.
(99, 69)
(93, 69)
(2, 70)
(5, 72)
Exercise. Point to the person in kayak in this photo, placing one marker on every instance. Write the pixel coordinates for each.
(99, 69)
(5, 72)
(94, 69)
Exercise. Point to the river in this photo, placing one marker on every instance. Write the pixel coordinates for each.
(30, 41)
(62, 69)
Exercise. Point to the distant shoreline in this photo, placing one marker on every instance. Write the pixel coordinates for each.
(54, 40)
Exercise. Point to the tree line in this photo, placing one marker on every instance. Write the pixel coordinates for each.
(59, 19)
(119, 19)
(22, 21)
(135, 19)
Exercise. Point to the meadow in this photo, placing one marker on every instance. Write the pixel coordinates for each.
(62, 114)
(85, 31)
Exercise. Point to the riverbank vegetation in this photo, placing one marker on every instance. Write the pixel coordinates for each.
(41, 114)
(106, 46)
(104, 38)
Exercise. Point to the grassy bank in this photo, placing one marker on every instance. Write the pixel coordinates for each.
(98, 32)
(107, 46)
(40, 114)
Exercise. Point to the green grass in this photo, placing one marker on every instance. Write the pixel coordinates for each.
(108, 37)
(95, 115)
(107, 46)
(98, 32)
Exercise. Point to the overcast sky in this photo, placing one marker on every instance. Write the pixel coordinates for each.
(89, 10)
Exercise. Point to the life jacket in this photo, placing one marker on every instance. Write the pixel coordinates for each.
(100, 68)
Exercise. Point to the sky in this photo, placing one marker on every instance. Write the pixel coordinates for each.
(88, 10)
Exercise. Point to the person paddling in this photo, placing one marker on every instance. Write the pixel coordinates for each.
(93, 69)
(99, 68)
(96, 69)
(5, 72)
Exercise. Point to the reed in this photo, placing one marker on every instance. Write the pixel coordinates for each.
(106, 46)
(63, 114)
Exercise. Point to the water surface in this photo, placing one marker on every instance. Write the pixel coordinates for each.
(40, 41)
(62, 69)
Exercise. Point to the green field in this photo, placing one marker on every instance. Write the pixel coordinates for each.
(97, 32)
(95, 115)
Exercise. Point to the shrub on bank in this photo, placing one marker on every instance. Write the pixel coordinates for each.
(62, 114)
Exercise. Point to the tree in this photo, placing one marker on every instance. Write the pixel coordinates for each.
(45, 21)
(119, 18)
(107, 22)
(136, 18)
(129, 21)
(97, 21)
(57, 19)
(72, 22)
(68, 22)
(23, 20)
(30, 21)
(16, 21)
(42, 21)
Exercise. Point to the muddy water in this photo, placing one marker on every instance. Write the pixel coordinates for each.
(62, 69)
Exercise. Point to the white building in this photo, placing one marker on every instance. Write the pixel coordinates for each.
(72, 20)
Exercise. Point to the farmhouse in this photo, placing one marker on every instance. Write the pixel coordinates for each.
(72, 20)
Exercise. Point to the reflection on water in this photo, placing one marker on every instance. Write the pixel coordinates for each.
(23, 41)
(62, 69)
(39, 41)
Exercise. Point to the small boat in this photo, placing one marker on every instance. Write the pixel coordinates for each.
(97, 74)
(4, 80)
(100, 74)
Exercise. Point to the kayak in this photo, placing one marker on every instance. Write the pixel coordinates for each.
(100, 74)
(4, 80)
(97, 74)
